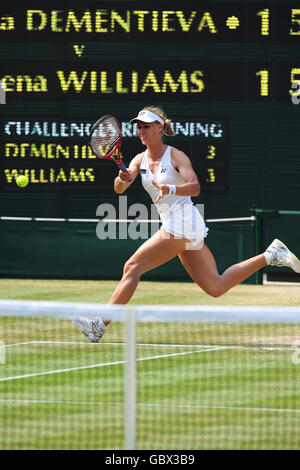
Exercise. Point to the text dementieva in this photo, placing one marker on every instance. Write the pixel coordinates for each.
(104, 21)
(127, 80)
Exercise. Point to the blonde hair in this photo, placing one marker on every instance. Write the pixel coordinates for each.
(167, 129)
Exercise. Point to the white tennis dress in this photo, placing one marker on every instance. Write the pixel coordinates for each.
(178, 214)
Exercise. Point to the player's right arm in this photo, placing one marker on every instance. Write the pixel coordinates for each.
(133, 170)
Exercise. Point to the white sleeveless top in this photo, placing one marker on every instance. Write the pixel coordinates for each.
(178, 214)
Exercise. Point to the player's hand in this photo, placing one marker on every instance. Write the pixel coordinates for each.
(125, 176)
(163, 190)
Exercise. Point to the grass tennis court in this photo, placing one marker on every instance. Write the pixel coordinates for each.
(200, 386)
(176, 293)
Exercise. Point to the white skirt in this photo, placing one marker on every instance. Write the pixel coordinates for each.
(185, 222)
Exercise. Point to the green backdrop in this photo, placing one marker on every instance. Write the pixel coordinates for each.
(72, 250)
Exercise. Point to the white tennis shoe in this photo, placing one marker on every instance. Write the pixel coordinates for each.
(92, 328)
(279, 255)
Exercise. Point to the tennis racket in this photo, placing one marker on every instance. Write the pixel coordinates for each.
(105, 140)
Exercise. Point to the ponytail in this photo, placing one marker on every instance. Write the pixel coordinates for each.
(168, 129)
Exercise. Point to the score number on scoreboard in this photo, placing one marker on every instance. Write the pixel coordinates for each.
(85, 31)
(56, 154)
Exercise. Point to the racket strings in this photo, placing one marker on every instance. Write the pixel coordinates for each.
(102, 146)
(105, 136)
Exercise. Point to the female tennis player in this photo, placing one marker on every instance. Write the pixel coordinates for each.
(167, 175)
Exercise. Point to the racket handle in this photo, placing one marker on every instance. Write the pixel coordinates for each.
(123, 168)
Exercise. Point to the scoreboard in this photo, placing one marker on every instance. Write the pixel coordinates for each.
(56, 154)
(226, 73)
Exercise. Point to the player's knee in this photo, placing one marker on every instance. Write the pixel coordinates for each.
(215, 290)
(132, 268)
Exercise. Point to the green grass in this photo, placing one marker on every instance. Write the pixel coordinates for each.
(176, 293)
(244, 396)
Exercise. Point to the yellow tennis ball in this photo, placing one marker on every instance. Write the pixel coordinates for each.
(22, 181)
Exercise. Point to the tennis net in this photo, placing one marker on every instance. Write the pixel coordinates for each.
(162, 377)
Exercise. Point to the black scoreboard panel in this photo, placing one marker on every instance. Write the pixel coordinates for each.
(227, 73)
(55, 155)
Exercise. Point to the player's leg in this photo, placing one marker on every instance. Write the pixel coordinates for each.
(201, 266)
(159, 249)
(156, 251)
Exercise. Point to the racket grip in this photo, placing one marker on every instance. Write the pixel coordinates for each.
(123, 168)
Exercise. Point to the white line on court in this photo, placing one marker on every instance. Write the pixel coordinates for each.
(70, 369)
(113, 344)
(232, 346)
(150, 405)
(51, 342)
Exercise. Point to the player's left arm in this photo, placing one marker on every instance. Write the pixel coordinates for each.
(191, 185)
(183, 165)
